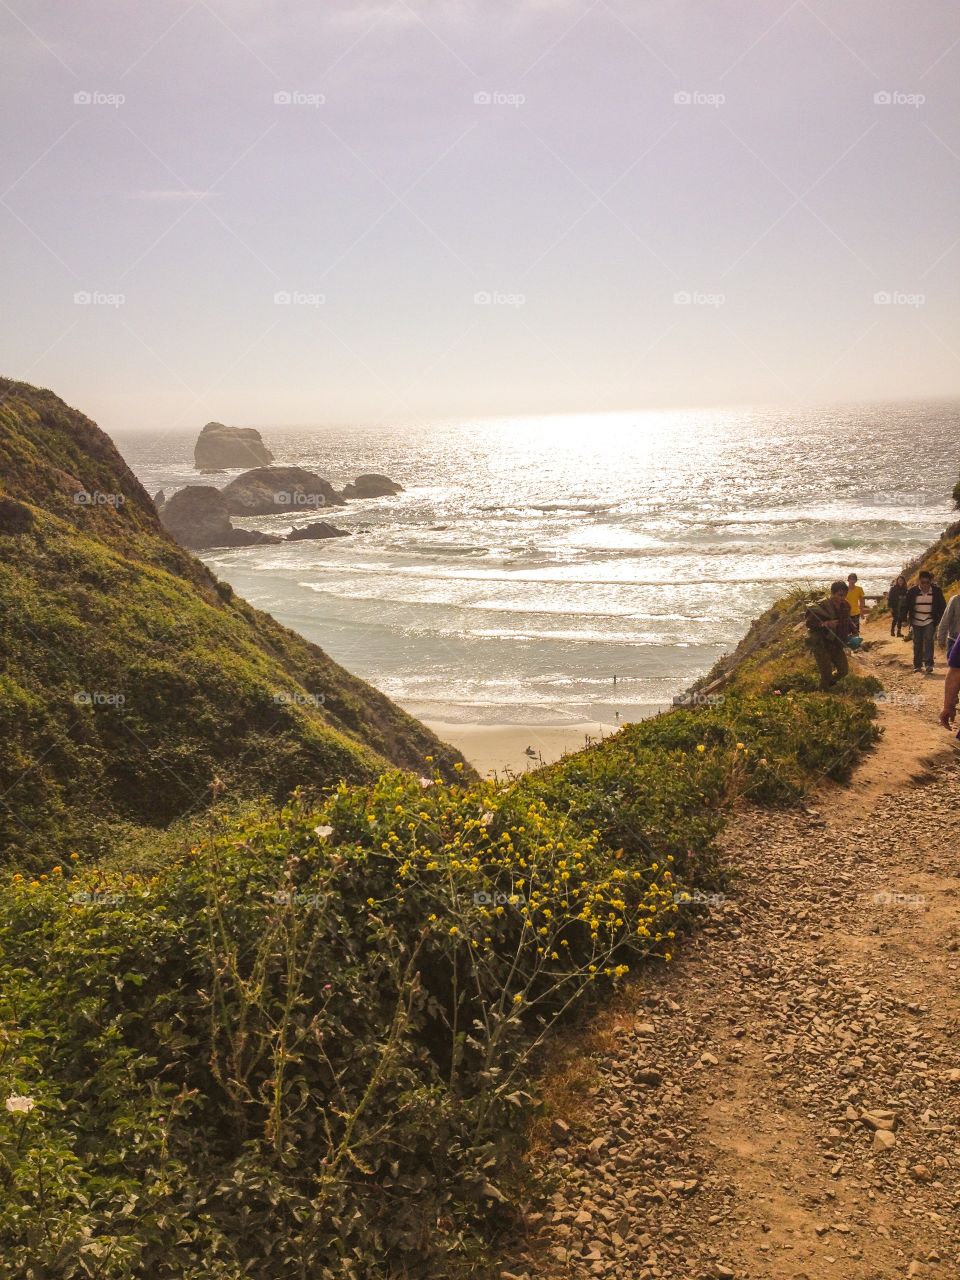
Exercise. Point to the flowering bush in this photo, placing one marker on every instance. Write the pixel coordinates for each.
(306, 1045)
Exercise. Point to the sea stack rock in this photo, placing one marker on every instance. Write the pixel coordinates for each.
(372, 486)
(266, 491)
(317, 529)
(219, 447)
(198, 517)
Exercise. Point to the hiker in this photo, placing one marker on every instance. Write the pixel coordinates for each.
(924, 609)
(828, 626)
(949, 627)
(897, 600)
(855, 599)
(951, 687)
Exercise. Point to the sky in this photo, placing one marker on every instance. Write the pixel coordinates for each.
(303, 213)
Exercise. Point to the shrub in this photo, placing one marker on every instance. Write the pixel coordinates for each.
(307, 1042)
(304, 1047)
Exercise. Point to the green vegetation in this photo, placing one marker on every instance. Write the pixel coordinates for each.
(297, 1038)
(134, 687)
(304, 1047)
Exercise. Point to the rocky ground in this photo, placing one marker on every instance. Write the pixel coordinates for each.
(784, 1101)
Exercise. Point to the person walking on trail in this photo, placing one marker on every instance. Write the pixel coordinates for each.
(855, 601)
(949, 627)
(828, 626)
(897, 600)
(951, 687)
(924, 609)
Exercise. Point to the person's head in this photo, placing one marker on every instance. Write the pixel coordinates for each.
(926, 580)
(838, 590)
(901, 581)
(851, 578)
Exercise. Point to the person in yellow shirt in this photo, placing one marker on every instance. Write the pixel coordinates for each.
(855, 598)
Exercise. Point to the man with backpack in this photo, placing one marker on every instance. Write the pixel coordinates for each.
(828, 626)
(924, 608)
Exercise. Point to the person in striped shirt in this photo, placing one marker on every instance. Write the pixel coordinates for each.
(925, 606)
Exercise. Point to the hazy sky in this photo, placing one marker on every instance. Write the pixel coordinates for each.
(477, 207)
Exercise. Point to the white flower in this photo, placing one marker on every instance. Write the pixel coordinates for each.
(486, 818)
(323, 833)
(426, 782)
(18, 1103)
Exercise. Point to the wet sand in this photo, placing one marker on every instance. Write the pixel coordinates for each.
(502, 748)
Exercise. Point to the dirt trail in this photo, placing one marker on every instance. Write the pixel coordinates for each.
(784, 1103)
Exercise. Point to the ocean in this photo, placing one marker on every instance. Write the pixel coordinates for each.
(573, 568)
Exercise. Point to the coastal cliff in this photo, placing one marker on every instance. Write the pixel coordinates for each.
(136, 687)
(305, 1037)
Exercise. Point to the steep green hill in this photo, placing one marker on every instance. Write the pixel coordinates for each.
(133, 685)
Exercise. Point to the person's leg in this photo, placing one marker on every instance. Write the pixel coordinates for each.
(840, 661)
(824, 665)
(929, 636)
(917, 648)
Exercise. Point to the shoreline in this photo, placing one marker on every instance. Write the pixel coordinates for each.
(503, 748)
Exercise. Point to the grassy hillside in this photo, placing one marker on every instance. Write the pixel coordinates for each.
(305, 1043)
(307, 1046)
(942, 559)
(133, 685)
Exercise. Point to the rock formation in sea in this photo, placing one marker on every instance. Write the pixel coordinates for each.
(372, 486)
(198, 517)
(268, 491)
(219, 447)
(317, 529)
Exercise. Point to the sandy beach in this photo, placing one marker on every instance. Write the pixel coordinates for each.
(503, 748)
